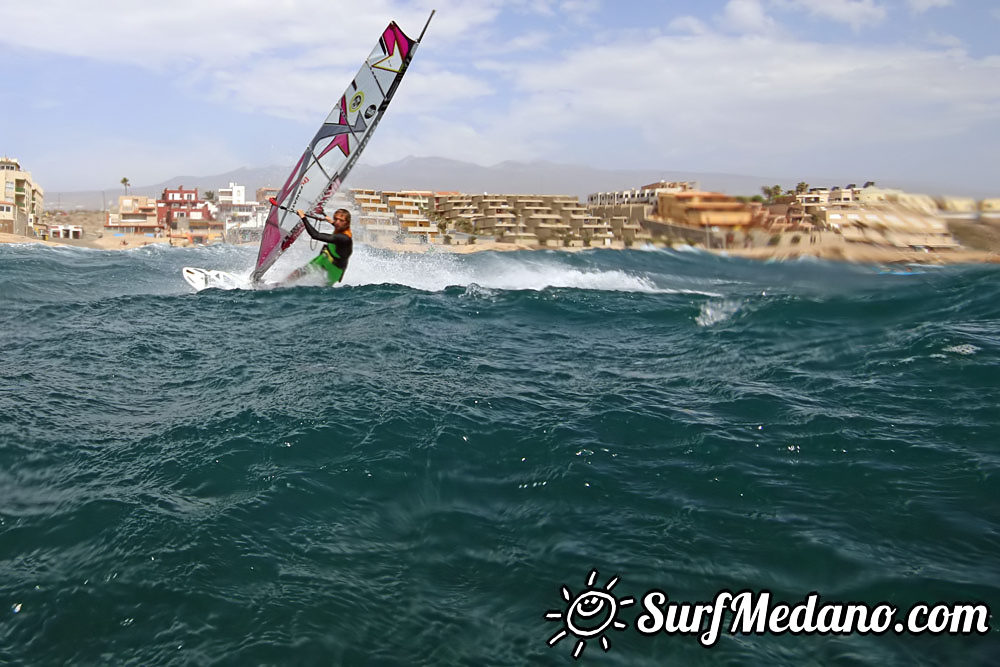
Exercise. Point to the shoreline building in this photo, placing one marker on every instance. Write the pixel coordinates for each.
(21, 199)
(243, 221)
(137, 214)
(697, 217)
(266, 193)
(394, 216)
(546, 220)
(884, 217)
(887, 224)
(375, 221)
(410, 208)
(989, 208)
(417, 216)
(625, 210)
(647, 194)
(182, 213)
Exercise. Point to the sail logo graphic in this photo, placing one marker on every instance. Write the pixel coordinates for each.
(357, 101)
(589, 614)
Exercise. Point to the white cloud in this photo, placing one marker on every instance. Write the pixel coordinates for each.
(255, 55)
(855, 13)
(745, 16)
(921, 6)
(731, 98)
(528, 41)
(580, 7)
(720, 89)
(688, 24)
(215, 34)
(945, 40)
(475, 142)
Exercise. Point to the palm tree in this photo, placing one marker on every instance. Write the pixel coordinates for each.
(771, 192)
(801, 188)
(125, 182)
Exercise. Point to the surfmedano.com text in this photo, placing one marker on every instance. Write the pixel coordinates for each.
(754, 613)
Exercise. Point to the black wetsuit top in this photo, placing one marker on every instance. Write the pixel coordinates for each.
(343, 245)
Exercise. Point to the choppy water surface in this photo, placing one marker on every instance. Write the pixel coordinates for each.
(407, 469)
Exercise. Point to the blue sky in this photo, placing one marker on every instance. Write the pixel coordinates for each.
(886, 90)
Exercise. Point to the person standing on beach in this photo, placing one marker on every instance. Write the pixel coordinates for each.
(332, 259)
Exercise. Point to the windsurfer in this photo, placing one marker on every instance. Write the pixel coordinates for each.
(332, 259)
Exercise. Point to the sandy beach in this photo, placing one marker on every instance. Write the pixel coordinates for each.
(102, 243)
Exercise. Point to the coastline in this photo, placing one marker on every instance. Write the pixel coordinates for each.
(842, 252)
(102, 243)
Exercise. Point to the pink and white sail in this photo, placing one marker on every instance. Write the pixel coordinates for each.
(332, 153)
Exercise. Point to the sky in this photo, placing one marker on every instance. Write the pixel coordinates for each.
(885, 90)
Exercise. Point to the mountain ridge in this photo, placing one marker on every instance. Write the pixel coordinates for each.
(445, 174)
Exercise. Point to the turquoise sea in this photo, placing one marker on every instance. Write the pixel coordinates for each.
(409, 468)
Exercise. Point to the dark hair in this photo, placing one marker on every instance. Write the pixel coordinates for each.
(346, 213)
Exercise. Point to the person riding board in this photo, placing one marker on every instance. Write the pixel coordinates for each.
(332, 259)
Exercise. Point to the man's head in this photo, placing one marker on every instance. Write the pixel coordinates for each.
(341, 219)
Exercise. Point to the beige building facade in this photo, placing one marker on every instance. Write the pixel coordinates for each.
(136, 215)
(990, 206)
(421, 217)
(712, 219)
(22, 201)
(888, 224)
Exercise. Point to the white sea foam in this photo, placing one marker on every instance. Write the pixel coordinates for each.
(715, 311)
(965, 349)
(436, 271)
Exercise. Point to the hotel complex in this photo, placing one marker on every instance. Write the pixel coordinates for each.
(454, 217)
(666, 213)
(662, 213)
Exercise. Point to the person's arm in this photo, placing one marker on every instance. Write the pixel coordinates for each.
(315, 233)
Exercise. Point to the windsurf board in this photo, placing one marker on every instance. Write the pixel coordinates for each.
(210, 278)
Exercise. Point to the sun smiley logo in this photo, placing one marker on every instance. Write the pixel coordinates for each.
(589, 614)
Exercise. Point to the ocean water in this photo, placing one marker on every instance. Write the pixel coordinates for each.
(409, 468)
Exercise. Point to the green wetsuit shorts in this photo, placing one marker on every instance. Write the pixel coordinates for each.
(325, 262)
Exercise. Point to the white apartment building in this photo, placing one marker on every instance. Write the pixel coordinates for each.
(647, 194)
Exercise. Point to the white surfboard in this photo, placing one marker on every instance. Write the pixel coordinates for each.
(205, 278)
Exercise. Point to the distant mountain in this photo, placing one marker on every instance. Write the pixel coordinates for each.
(532, 178)
(433, 173)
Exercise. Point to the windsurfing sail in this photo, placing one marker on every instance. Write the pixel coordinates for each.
(333, 151)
